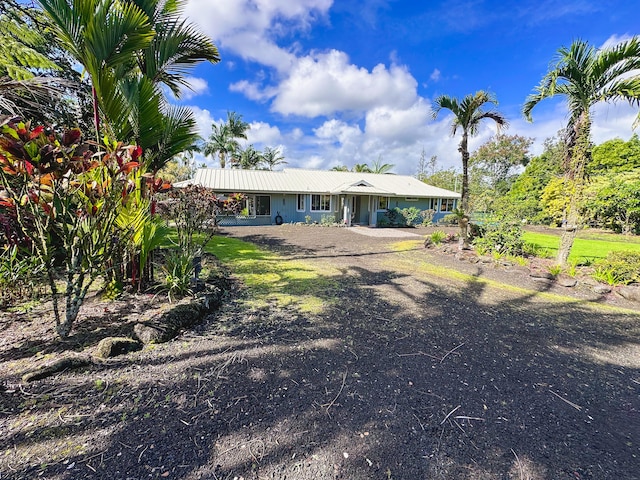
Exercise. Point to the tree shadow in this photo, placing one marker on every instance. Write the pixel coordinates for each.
(404, 376)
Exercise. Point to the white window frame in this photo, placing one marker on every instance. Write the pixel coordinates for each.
(387, 201)
(320, 195)
(255, 203)
(444, 204)
(303, 197)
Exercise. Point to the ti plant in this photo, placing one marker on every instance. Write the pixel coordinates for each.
(66, 196)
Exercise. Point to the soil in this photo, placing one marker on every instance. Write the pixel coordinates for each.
(412, 371)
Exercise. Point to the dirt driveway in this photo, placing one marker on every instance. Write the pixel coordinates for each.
(413, 371)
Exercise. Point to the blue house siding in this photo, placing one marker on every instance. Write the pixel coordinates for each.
(286, 205)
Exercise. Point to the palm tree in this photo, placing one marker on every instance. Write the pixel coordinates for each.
(247, 159)
(585, 76)
(128, 48)
(361, 168)
(340, 168)
(271, 157)
(468, 113)
(379, 167)
(223, 138)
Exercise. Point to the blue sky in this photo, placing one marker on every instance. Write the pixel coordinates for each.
(345, 82)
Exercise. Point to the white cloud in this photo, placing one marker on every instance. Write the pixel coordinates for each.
(263, 134)
(197, 86)
(326, 83)
(403, 126)
(249, 28)
(252, 90)
(435, 75)
(614, 40)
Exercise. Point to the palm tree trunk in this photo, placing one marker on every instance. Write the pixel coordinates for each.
(96, 114)
(463, 219)
(578, 156)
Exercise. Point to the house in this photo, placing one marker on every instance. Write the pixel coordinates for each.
(297, 195)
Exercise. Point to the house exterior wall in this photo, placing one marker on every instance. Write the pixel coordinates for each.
(286, 205)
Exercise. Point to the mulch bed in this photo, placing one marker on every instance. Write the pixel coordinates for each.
(404, 376)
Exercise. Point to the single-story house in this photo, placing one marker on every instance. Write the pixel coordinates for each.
(297, 195)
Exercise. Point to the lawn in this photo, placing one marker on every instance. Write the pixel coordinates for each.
(588, 246)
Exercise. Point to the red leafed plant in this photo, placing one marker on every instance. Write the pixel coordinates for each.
(65, 195)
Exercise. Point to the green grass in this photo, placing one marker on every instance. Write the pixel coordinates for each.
(273, 278)
(588, 246)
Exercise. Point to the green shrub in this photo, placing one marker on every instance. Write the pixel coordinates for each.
(178, 270)
(438, 237)
(503, 238)
(412, 216)
(327, 220)
(618, 268)
(427, 216)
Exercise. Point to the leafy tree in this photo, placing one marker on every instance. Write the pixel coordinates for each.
(468, 114)
(497, 159)
(555, 198)
(613, 201)
(179, 168)
(66, 199)
(615, 156)
(271, 157)
(523, 199)
(449, 179)
(586, 76)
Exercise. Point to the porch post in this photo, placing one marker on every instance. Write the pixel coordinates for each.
(346, 211)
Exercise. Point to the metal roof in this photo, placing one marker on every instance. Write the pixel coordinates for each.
(292, 180)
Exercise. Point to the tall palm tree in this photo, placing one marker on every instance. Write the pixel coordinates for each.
(223, 138)
(247, 159)
(585, 75)
(468, 114)
(271, 157)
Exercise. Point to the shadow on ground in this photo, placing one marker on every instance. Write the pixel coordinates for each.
(403, 377)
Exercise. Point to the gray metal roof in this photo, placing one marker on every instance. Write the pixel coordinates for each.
(292, 180)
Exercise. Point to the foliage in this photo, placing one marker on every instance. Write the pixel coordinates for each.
(272, 157)
(223, 139)
(327, 220)
(427, 216)
(412, 216)
(178, 271)
(449, 179)
(438, 237)
(613, 201)
(193, 210)
(586, 76)
(20, 275)
(493, 167)
(468, 114)
(66, 199)
(619, 268)
(587, 245)
(615, 156)
(523, 199)
(555, 200)
(501, 236)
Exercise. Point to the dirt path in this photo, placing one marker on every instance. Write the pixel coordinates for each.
(406, 375)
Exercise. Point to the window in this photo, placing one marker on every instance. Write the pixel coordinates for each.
(263, 205)
(448, 204)
(301, 203)
(320, 203)
(383, 203)
(411, 199)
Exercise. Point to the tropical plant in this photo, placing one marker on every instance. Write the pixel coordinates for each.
(468, 114)
(66, 198)
(585, 76)
(247, 159)
(271, 157)
(379, 167)
(223, 140)
(618, 268)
